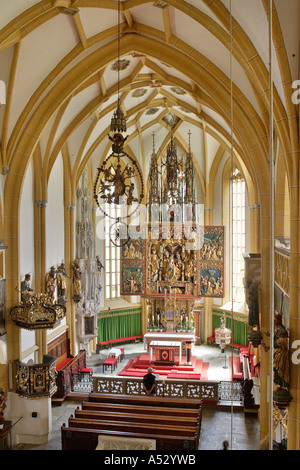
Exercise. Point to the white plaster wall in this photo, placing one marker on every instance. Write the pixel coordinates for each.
(55, 216)
(27, 244)
(27, 226)
(218, 193)
(27, 341)
(29, 430)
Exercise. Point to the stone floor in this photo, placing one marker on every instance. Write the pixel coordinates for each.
(217, 425)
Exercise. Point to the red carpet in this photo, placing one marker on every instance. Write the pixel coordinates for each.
(138, 366)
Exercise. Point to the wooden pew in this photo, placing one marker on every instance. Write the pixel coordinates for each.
(87, 439)
(145, 400)
(174, 423)
(127, 426)
(108, 416)
(137, 409)
(137, 418)
(65, 371)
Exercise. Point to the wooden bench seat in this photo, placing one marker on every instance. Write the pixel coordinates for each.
(174, 423)
(137, 418)
(237, 372)
(64, 363)
(149, 427)
(103, 344)
(137, 409)
(87, 439)
(145, 400)
(142, 419)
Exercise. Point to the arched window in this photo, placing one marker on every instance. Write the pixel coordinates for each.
(238, 235)
(112, 254)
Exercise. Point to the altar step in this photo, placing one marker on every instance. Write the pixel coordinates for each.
(138, 367)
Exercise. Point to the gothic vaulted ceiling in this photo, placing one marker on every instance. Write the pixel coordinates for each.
(176, 74)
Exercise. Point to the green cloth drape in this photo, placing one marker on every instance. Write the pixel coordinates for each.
(119, 324)
(239, 330)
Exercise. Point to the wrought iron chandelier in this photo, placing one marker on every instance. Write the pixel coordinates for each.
(114, 182)
(116, 177)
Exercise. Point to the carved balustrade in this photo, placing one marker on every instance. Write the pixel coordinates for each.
(206, 390)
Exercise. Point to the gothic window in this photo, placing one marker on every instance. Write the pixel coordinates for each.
(238, 236)
(112, 254)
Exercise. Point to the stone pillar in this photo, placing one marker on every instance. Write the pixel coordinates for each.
(266, 373)
(294, 407)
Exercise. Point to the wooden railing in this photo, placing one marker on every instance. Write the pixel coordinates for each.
(206, 390)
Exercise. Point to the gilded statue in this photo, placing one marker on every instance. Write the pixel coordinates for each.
(280, 353)
(117, 142)
(25, 288)
(61, 281)
(51, 283)
(154, 266)
(115, 177)
(77, 276)
(171, 269)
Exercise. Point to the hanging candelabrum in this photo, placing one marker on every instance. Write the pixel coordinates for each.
(116, 178)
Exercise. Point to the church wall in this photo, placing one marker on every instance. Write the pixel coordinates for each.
(2, 183)
(55, 217)
(27, 227)
(27, 250)
(55, 229)
(220, 216)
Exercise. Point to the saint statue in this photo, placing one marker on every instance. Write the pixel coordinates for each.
(99, 267)
(25, 288)
(118, 142)
(154, 267)
(77, 276)
(61, 281)
(171, 269)
(51, 283)
(280, 354)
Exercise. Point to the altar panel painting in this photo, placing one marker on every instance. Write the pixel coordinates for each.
(132, 278)
(133, 263)
(212, 262)
(213, 244)
(211, 279)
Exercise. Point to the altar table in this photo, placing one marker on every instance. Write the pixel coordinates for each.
(165, 347)
(181, 337)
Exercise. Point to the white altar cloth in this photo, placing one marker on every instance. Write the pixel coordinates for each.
(164, 336)
(117, 352)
